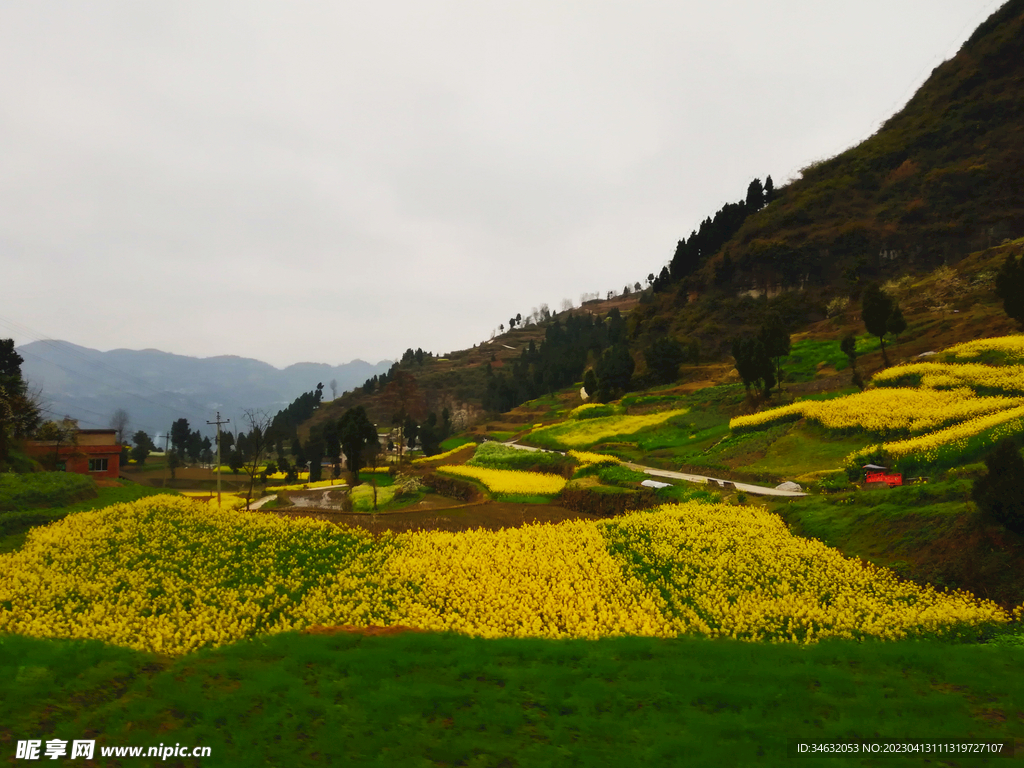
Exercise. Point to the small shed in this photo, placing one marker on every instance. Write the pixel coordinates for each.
(873, 473)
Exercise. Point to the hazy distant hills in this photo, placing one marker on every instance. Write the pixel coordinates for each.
(158, 387)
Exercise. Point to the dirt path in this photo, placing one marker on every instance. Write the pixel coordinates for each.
(490, 515)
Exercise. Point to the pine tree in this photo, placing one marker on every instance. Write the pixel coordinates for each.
(775, 337)
(755, 196)
(877, 307)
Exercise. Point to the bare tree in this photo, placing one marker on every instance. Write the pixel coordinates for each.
(566, 305)
(120, 421)
(256, 444)
(334, 389)
(403, 400)
(59, 433)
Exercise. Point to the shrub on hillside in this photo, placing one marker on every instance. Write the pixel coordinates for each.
(450, 487)
(593, 411)
(999, 493)
(497, 456)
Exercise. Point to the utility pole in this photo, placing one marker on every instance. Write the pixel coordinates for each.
(218, 422)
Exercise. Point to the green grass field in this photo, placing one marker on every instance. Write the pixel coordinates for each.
(448, 700)
(14, 524)
(805, 449)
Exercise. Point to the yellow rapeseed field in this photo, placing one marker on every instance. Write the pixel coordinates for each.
(585, 458)
(437, 456)
(1010, 348)
(1008, 379)
(167, 575)
(986, 430)
(582, 433)
(509, 481)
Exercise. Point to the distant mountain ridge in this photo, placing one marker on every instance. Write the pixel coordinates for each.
(156, 387)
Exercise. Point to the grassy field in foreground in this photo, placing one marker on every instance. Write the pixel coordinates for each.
(432, 700)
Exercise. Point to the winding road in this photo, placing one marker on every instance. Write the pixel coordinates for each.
(757, 490)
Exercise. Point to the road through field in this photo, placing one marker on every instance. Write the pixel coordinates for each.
(757, 490)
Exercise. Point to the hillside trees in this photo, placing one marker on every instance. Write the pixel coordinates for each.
(1010, 287)
(707, 240)
(356, 432)
(285, 423)
(614, 370)
(143, 447)
(663, 359)
(775, 337)
(180, 435)
(848, 346)
(754, 364)
(557, 362)
(404, 401)
(430, 435)
(881, 315)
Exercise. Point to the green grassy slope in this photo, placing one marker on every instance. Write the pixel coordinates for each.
(433, 700)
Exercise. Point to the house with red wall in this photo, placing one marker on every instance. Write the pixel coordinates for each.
(95, 452)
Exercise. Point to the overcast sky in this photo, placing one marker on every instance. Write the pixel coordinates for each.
(324, 181)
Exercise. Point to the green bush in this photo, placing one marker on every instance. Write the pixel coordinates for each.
(497, 456)
(619, 475)
(593, 411)
(450, 487)
(44, 489)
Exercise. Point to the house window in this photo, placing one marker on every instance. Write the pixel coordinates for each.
(98, 465)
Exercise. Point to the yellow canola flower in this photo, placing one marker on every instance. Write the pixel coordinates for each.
(735, 572)
(436, 456)
(1010, 348)
(168, 575)
(307, 486)
(585, 458)
(586, 432)
(509, 481)
(884, 411)
(998, 378)
(535, 581)
(990, 429)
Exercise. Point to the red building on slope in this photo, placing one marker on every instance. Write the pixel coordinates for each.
(94, 453)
